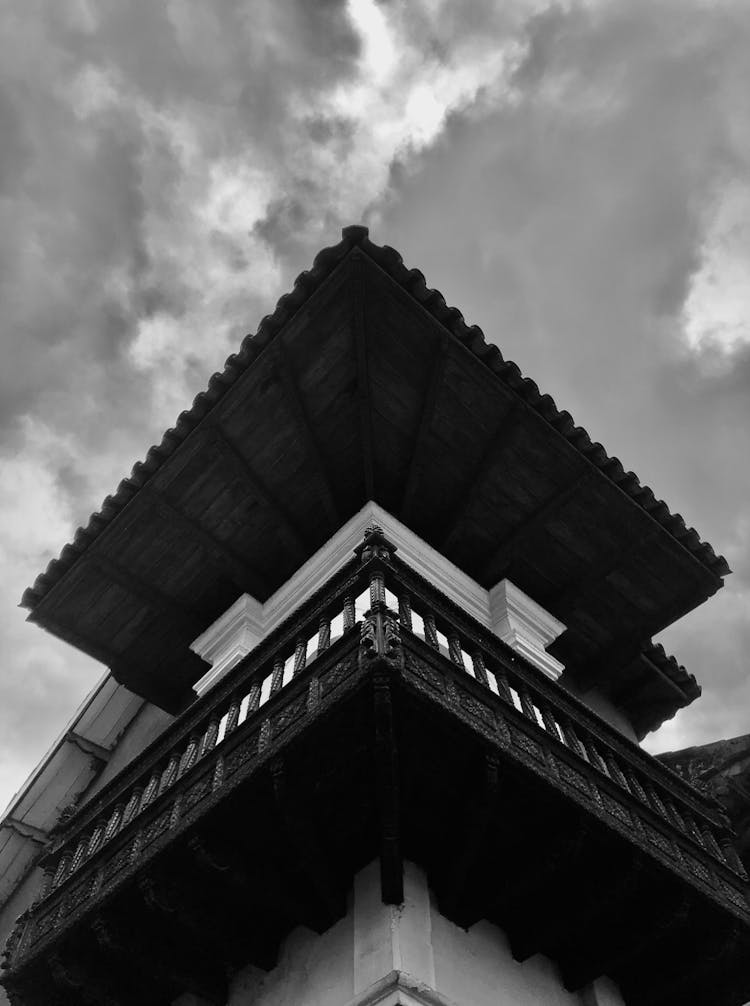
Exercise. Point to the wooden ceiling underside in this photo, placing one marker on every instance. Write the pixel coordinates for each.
(362, 395)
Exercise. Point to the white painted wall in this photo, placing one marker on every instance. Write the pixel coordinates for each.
(409, 954)
(148, 723)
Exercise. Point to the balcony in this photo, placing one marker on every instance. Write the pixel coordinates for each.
(382, 721)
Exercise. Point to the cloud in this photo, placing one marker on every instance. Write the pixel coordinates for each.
(589, 220)
(571, 175)
(165, 172)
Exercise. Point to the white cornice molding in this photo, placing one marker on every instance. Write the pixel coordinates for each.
(525, 625)
(506, 610)
(231, 637)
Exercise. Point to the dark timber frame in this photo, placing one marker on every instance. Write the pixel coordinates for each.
(473, 734)
(357, 388)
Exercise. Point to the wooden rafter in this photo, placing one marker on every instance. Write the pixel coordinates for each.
(140, 589)
(603, 665)
(155, 965)
(662, 925)
(455, 899)
(416, 463)
(496, 444)
(626, 551)
(500, 560)
(228, 870)
(308, 855)
(224, 556)
(244, 472)
(79, 639)
(363, 376)
(305, 433)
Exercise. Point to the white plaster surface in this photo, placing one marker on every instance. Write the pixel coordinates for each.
(525, 625)
(406, 955)
(148, 723)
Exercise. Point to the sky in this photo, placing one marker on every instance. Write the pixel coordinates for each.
(575, 177)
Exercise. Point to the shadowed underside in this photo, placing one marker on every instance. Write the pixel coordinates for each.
(364, 385)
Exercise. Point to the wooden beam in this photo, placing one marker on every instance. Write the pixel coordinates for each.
(595, 573)
(224, 557)
(229, 872)
(455, 900)
(531, 525)
(179, 906)
(599, 668)
(91, 748)
(363, 375)
(245, 474)
(417, 463)
(76, 638)
(159, 963)
(304, 432)
(307, 854)
(140, 589)
(588, 917)
(657, 925)
(387, 782)
(490, 457)
(523, 896)
(90, 982)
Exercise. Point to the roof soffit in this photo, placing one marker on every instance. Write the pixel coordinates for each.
(352, 430)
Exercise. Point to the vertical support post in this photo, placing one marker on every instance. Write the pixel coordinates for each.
(386, 767)
(380, 650)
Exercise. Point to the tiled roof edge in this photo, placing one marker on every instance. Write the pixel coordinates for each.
(451, 318)
(674, 671)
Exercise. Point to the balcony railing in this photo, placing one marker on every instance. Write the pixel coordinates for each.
(375, 613)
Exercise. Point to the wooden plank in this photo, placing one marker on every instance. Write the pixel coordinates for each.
(244, 472)
(430, 398)
(595, 573)
(363, 376)
(532, 525)
(148, 594)
(305, 432)
(484, 468)
(93, 647)
(222, 555)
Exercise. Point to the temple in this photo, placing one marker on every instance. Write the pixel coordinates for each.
(378, 625)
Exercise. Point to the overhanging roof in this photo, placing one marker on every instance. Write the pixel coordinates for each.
(363, 385)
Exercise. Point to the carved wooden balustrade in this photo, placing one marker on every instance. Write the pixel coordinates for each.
(376, 624)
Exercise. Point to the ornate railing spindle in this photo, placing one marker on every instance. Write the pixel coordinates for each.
(480, 670)
(404, 611)
(349, 613)
(430, 630)
(233, 714)
(324, 634)
(455, 652)
(300, 656)
(277, 675)
(209, 738)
